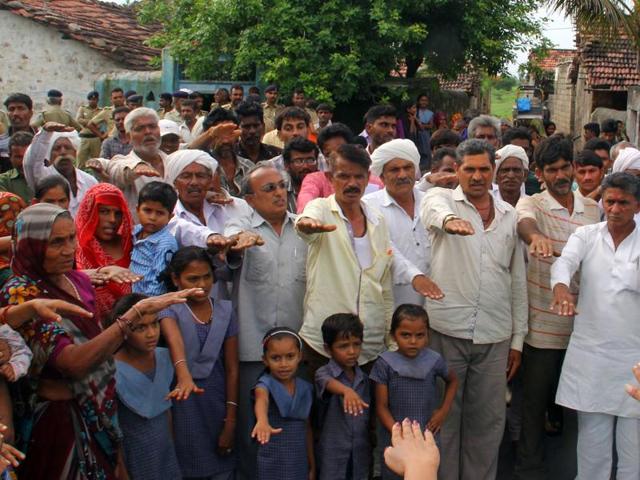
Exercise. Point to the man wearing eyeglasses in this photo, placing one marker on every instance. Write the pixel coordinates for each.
(300, 157)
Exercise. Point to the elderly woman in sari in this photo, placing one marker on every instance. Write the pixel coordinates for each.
(105, 228)
(71, 380)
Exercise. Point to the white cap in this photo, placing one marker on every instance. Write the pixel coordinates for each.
(168, 127)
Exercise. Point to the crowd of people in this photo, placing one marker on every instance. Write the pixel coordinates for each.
(256, 291)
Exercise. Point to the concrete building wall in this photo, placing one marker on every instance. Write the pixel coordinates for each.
(35, 58)
(562, 101)
(583, 107)
(633, 115)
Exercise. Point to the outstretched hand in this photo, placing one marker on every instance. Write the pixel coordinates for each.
(457, 226)
(57, 127)
(427, 287)
(412, 454)
(634, 390)
(563, 302)
(309, 225)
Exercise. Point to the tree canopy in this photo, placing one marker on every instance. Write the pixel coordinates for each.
(339, 49)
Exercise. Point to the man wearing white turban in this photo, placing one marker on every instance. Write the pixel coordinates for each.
(397, 163)
(58, 145)
(512, 166)
(628, 161)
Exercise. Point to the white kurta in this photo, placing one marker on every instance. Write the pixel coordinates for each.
(605, 342)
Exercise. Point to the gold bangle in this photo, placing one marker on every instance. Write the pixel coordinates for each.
(178, 362)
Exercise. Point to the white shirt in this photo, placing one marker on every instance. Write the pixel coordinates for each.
(363, 251)
(186, 134)
(482, 275)
(35, 169)
(189, 230)
(605, 342)
(409, 236)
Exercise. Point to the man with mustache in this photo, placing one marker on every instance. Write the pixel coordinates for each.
(252, 126)
(512, 166)
(606, 334)
(397, 163)
(480, 324)
(380, 126)
(351, 260)
(300, 157)
(545, 222)
(53, 152)
(270, 285)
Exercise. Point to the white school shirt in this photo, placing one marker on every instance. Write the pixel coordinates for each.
(605, 342)
(410, 238)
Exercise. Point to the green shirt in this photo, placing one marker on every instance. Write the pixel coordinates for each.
(13, 181)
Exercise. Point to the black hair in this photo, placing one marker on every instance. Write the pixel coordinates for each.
(250, 109)
(122, 109)
(519, 133)
(624, 181)
(181, 260)
(20, 139)
(408, 310)
(237, 86)
(254, 90)
(298, 144)
(166, 96)
(592, 127)
(218, 115)
(189, 102)
(117, 89)
(609, 126)
(597, 144)
(360, 141)
(588, 158)
(552, 149)
(51, 181)
(277, 333)
(298, 91)
(291, 113)
(475, 146)
(354, 154)
(548, 123)
(340, 326)
(438, 156)
(325, 107)
(444, 137)
(378, 111)
(334, 130)
(160, 192)
(122, 306)
(19, 98)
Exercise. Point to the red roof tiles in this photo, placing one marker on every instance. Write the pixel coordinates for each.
(464, 82)
(111, 29)
(554, 57)
(609, 64)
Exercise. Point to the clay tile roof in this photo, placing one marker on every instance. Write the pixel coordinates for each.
(554, 57)
(111, 29)
(610, 64)
(464, 82)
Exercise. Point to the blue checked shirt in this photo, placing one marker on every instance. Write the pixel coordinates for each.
(150, 257)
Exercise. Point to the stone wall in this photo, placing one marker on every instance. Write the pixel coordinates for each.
(36, 58)
(562, 101)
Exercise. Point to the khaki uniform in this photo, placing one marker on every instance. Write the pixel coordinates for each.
(55, 113)
(104, 121)
(270, 112)
(174, 116)
(161, 113)
(4, 122)
(89, 142)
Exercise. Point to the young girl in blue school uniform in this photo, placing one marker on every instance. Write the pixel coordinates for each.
(282, 406)
(405, 380)
(202, 334)
(143, 380)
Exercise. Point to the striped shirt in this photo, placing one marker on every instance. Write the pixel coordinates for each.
(150, 257)
(546, 329)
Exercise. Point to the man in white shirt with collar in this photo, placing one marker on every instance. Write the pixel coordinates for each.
(606, 332)
(351, 260)
(58, 144)
(479, 326)
(397, 163)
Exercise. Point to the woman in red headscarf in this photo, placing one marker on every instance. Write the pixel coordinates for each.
(104, 227)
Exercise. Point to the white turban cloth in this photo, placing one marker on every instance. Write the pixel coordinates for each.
(398, 148)
(629, 158)
(511, 151)
(73, 137)
(178, 161)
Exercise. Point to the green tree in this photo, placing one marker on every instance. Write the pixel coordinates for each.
(338, 49)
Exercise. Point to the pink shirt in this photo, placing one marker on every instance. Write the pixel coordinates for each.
(317, 185)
